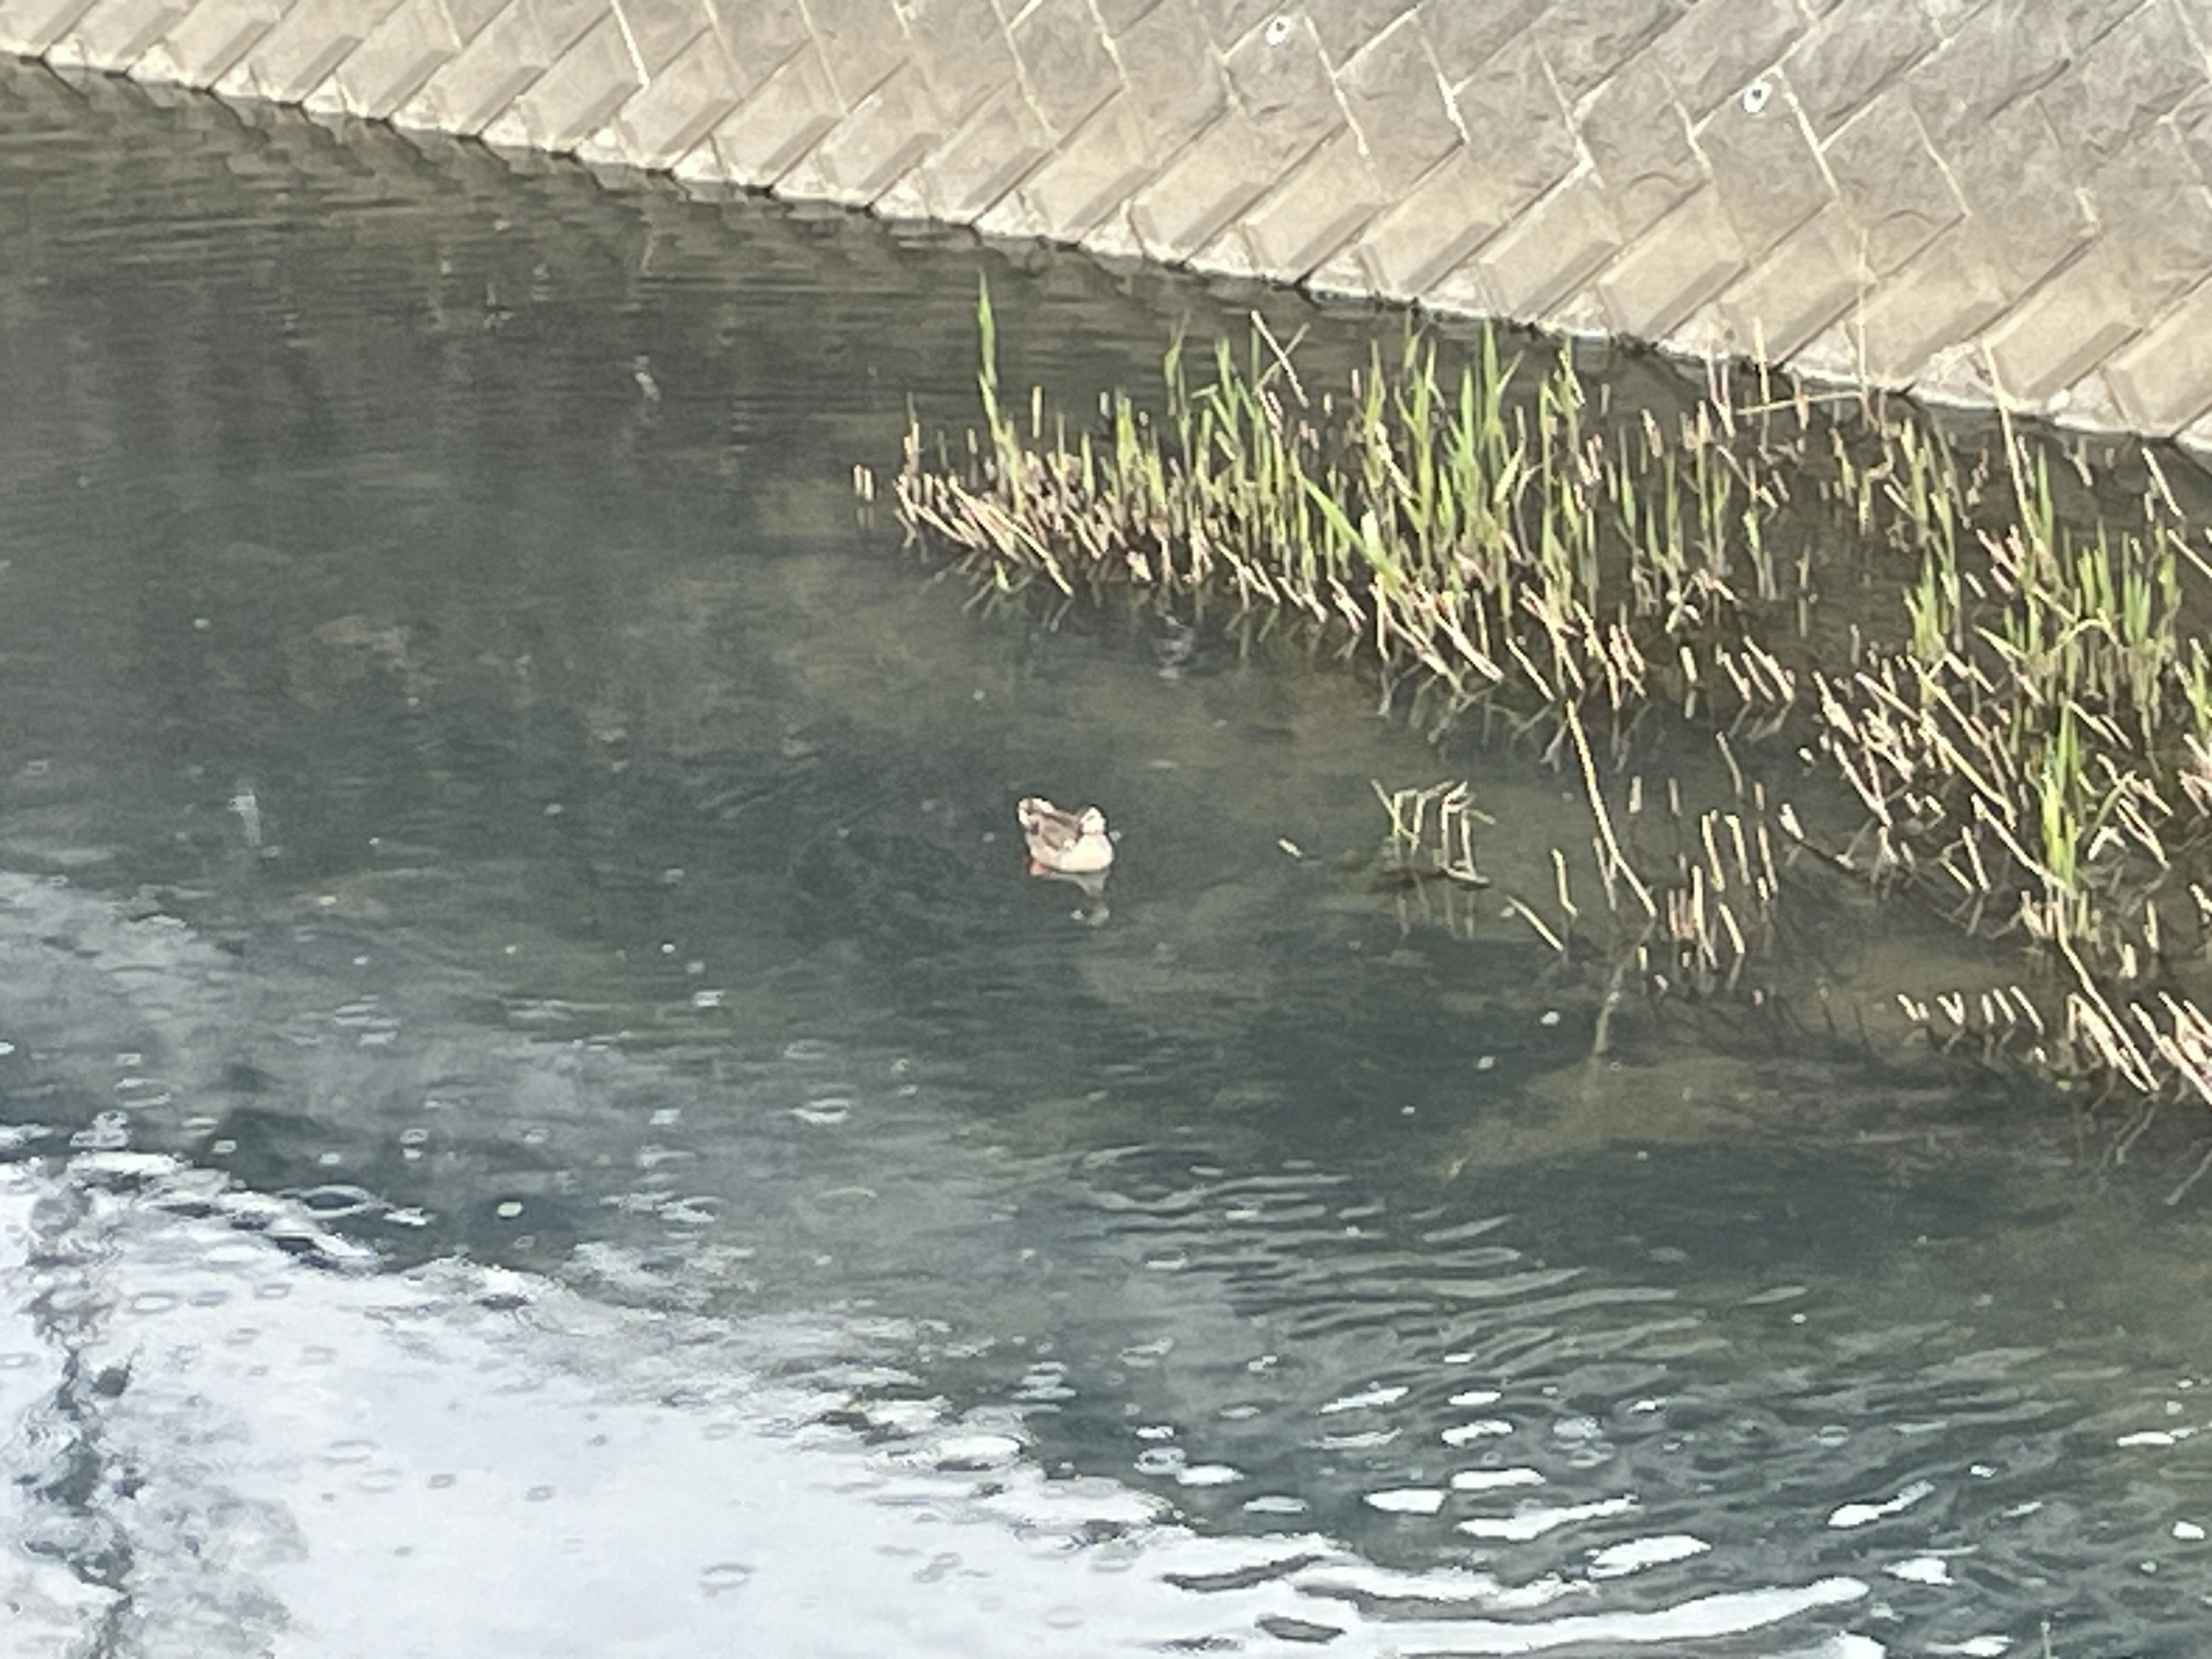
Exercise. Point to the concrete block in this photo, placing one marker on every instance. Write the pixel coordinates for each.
(1348, 27)
(1340, 277)
(1516, 128)
(761, 39)
(1065, 62)
(390, 66)
(1441, 221)
(2088, 20)
(985, 160)
(2067, 327)
(581, 92)
(1763, 165)
(1721, 46)
(470, 18)
(31, 25)
(1951, 290)
(116, 34)
(1585, 40)
(1230, 166)
(1281, 83)
(2021, 186)
(1999, 55)
(1897, 192)
(1853, 54)
(204, 45)
(681, 105)
(1638, 139)
(1806, 281)
(659, 33)
(299, 50)
(1319, 209)
(2163, 380)
(788, 115)
(2142, 68)
(1687, 259)
(886, 136)
(480, 81)
(861, 42)
(1227, 22)
(960, 47)
(1094, 173)
(1553, 249)
(1466, 37)
(1172, 73)
(2154, 208)
(1395, 101)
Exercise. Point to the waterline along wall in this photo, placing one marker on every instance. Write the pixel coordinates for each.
(1988, 200)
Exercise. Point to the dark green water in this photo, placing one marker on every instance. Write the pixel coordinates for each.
(468, 771)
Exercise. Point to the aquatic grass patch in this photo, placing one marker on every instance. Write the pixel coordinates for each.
(1983, 698)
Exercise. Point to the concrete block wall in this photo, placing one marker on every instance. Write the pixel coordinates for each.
(1986, 200)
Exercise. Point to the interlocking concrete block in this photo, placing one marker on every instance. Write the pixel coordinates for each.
(1395, 99)
(1721, 46)
(1999, 54)
(2021, 186)
(1440, 221)
(879, 140)
(2163, 381)
(1227, 22)
(659, 33)
(1553, 249)
(1764, 167)
(204, 45)
(788, 114)
(1685, 259)
(402, 52)
(2154, 208)
(2066, 326)
(1516, 128)
(115, 33)
(1466, 37)
(1228, 169)
(2088, 21)
(299, 51)
(1094, 173)
(1638, 139)
(1348, 27)
(681, 105)
(1804, 283)
(1852, 54)
(1889, 181)
(1585, 40)
(760, 38)
(1172, 74)
(480, 81)
(1950, 291)
(1281, 83)
(31, 25)
(2142, 68)
(1319, 209)
(861, 43)
(978, 165)
(1065, 61)
(960, 47)
(581, 92)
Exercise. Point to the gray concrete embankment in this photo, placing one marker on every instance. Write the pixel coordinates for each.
(1995, 202)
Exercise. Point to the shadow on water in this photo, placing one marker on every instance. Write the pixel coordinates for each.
(468, 776)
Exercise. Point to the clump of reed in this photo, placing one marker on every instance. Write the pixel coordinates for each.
(2026, 738)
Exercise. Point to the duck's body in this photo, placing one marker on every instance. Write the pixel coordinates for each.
(1064, 843)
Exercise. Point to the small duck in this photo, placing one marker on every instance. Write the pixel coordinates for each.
(1063, 844)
